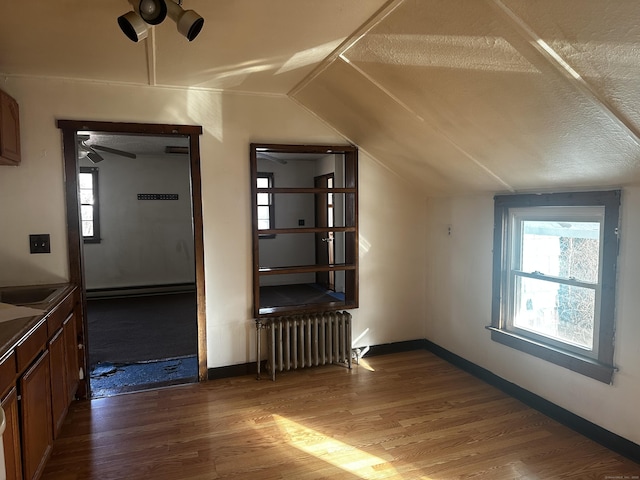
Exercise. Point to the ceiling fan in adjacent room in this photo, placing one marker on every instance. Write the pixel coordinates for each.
(89, 151)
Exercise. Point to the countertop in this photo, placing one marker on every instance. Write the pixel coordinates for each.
(13, 331)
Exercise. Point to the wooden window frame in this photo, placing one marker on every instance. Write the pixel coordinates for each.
(600, 368)
(269, 177)
(350, 264)
(95, 238)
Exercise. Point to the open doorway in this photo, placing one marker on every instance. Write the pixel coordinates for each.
(135, 247)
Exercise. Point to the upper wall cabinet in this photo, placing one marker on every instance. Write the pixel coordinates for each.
(9, 130)
(305, 228)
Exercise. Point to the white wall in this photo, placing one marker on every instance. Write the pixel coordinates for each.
(143, 242)
(459, 308)
(392, 253)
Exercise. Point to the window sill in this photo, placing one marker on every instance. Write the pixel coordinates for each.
(583, 365)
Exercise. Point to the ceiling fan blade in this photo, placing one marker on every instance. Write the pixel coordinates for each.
(265, 156)
(122, 153)
(85, 150)
(95, 157)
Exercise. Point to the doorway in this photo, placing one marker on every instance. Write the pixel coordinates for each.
(131, 287)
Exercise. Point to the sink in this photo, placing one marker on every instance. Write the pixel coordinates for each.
(29, 295)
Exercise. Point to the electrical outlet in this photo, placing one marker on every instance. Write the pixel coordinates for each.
(39, 243)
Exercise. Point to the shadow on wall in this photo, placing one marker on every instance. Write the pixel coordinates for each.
(18, 273)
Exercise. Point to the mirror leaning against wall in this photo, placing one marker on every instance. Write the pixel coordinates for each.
(305, 228)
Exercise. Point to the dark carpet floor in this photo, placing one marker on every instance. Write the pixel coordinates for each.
(141, 342)
(140, 329)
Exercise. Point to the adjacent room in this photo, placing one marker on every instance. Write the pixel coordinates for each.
(373, 239)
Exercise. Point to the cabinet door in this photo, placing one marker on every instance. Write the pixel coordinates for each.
(71, 349)
(37, 438)
(9, 130)
(11, 437)
(57, 362)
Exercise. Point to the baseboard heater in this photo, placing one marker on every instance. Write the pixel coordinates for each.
(300, 341)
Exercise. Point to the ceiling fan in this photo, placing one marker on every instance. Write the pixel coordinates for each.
(89, 151)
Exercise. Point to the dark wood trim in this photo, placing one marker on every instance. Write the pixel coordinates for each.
(396, 347)
(278, 231)
(305, 269)
(238, 370)
(305, 308)
(590, 430)
(602, 368)
(305, 190)
(69, 129)
(585, 366)
(129, 128)
(350, 228)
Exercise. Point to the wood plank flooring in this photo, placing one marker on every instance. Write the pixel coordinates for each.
(401, 416)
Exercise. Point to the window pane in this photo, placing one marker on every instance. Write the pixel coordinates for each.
(86, 212)
(86, 197)
(263, 218)
(87, 228)
(562, 249)
(86, 180)
(263, 182)
(563, 312)
(263, 198)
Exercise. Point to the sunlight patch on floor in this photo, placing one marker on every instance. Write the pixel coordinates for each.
(335, 452)
(364, 364)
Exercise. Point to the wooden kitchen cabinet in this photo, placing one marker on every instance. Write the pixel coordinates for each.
(57, 363)
(11, 436)
(35, 418)
(70, 329)
(9, 130)
(39, 377)
(63, 359)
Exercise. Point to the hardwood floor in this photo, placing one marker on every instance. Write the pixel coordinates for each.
(400, 416)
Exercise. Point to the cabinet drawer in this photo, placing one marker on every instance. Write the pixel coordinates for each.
(33, 343)
(7, 372)
(60, 314)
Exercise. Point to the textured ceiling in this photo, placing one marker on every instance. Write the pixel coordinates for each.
(464, 96)
(455, 96)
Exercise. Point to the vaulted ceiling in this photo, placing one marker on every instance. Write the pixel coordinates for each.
(455, 96)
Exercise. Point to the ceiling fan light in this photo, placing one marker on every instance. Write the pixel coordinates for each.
(133, 26)
(189, 23)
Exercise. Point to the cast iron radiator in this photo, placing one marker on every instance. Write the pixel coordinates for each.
(299, 341)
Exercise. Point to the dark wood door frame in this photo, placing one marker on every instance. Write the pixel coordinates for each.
(325, 241)
(74, 236)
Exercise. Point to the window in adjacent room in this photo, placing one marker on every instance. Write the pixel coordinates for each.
(265, 204)
(89, 205)
(554, 277)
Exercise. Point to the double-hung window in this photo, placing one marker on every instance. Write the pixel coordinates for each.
(554, 277)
